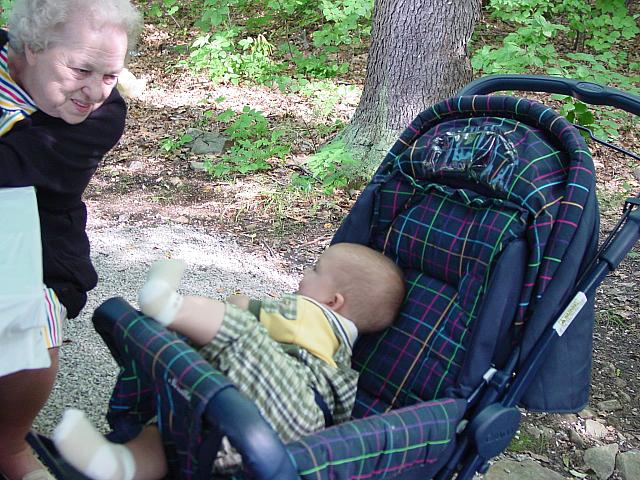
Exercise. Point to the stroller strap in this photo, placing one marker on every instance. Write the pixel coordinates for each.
(328, 418)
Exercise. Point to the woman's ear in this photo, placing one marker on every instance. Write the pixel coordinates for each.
(30, 55)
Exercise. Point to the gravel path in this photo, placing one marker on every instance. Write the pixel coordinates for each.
(122, 254)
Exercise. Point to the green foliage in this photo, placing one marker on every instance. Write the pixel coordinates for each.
(602, 23)
(216, 12)
(5, 7)
(599, 29)
(325, 95)
(610, 317)
(254, 144)
(346, 22)
(316, 66)
(238, 35)
(528, 46)
(332, 167)
(170, 145)
(577, 112)
(227, 59)
(159, 8)
(605, 26)
(523, 442)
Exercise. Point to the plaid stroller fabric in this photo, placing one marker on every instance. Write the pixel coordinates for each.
(487, 204)
(466, 184)
(156, 364)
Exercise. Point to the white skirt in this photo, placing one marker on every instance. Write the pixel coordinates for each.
(22, 303)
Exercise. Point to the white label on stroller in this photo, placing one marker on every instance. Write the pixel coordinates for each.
(570, 313)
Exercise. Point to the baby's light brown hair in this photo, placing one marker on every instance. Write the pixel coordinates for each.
(371, 284)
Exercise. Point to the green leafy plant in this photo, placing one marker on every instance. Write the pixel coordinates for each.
(159, 8)
(254, 144)
(598, 29)
(316, 66)
(346, 22)
(602, 26)
(5, 7)
(225, 58)
(597, 25)
(332, 167)
(524, 442)
(610, 317)
(236, 36)
(527, 47)
(170, 144)
(605, 125)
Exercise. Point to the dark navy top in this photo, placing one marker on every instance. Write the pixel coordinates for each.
(59, 159)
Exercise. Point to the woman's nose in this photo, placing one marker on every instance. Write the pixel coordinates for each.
(96, 89)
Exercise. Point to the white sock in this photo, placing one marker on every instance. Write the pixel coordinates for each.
(89, 452)
(168, 269)
(158, 300)
(158, 297)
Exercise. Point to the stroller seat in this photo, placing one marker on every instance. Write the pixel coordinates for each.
(488, 205)
(480, 212)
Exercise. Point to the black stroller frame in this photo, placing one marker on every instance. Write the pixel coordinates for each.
(492, 415)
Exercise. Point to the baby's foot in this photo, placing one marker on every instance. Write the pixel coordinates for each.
(168, 269)
(158, 297)
(89, 452)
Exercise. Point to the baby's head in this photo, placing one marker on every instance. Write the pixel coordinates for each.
(357, 282)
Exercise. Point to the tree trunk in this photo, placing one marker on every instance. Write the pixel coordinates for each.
(418, 56)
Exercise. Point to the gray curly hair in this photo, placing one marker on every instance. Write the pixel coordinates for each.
(36, 23)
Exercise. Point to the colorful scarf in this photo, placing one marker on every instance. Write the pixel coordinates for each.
(16, 104)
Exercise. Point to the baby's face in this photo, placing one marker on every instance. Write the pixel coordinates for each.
(318, 281)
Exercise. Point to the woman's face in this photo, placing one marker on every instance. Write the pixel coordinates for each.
(75, 75)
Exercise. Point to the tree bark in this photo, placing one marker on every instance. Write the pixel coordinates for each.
(418, 56)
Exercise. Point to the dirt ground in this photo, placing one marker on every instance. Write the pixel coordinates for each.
(140, 182)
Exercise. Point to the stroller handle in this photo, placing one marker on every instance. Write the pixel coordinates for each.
(587, 92)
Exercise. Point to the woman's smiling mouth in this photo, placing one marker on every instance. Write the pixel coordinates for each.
(81, 106)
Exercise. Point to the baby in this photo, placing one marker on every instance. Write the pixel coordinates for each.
(291, 356)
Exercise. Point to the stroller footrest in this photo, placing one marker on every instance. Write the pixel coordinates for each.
(493, 429)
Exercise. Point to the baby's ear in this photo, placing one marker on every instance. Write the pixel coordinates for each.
(336, 302)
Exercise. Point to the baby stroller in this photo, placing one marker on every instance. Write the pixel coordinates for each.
(488, 204)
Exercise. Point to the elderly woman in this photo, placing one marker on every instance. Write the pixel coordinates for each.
(61, 114)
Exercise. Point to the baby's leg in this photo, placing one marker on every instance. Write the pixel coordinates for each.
(198, 318)
(93, 455)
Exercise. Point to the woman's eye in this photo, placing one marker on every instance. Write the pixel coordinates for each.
(81, 71)
(110, 79)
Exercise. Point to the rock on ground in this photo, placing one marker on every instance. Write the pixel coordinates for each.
(628, 464)
(524, 470)
(602, 460)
